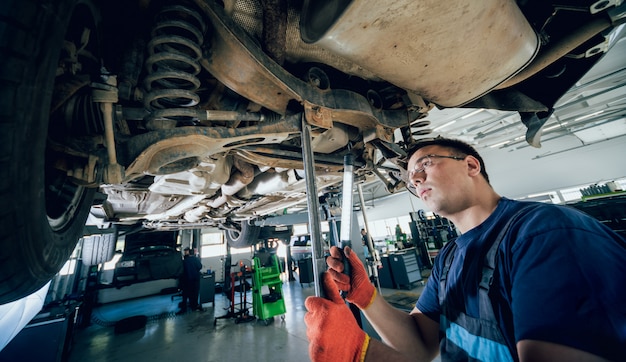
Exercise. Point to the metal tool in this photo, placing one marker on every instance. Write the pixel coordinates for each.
(346, 210)
(315, 228)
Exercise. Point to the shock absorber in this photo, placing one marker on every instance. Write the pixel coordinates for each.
(172, 66)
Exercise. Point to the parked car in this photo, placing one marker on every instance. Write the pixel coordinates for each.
(149, 256)
(190, 114)
(300, 246)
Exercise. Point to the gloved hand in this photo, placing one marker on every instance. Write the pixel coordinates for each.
(332, 331)
(360, 290)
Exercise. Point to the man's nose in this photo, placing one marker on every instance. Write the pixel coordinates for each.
(416, 177)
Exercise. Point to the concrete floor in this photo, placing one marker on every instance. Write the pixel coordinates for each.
(193, 336)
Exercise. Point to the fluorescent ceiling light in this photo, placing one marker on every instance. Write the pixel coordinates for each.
(443, 125)
(540, 194)
(555, 126)
(588, 115)
(552, 127)
(498, 144)
(472, 113)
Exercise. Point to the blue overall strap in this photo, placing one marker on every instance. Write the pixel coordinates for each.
(489, 267)
(469, 338)
(444, 272)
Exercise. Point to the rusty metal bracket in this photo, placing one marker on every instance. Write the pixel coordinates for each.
(238, 62)
(318, 115)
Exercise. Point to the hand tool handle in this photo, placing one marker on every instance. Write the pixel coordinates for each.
(347, 268)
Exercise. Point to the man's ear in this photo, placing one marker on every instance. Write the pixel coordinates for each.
(473, 165)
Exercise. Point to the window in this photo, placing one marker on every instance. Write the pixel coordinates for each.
(404, 221)
(574, 193)
(110, 265)
(571, 194)
(68, 268)
(378, 229)
(119, 246)
(212, 244)
(386, 229)
(300, 229)
(303, 229)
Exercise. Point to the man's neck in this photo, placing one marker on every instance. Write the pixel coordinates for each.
(476, 213)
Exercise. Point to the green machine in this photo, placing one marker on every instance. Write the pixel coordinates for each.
(267, 292)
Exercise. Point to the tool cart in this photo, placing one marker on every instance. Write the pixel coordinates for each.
(267, 293)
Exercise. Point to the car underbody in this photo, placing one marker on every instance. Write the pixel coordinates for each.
(225, 146)
(189, 114)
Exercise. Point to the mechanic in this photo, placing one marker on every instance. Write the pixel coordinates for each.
(190, 282)
(365, 242)
(551, 289)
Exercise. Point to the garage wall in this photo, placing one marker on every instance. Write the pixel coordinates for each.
(216, 265)
(531, 170)
(546, 169)
(397, 205)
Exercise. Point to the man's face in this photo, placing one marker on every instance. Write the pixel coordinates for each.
(438, 181)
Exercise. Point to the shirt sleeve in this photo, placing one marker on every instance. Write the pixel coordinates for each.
(428, 302)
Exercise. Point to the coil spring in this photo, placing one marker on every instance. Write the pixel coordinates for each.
(173, 65)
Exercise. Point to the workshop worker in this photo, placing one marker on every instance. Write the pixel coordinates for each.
(190, 281)
(552, 287)
(365, 242)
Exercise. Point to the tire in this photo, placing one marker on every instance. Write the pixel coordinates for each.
(98, 249)
(42, 211)
(245, 235)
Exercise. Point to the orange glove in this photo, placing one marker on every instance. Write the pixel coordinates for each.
(360, 291)
(332, 331)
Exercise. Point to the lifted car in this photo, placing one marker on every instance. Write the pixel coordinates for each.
(189, 114)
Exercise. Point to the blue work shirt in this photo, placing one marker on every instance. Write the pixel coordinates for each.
(560, 278)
